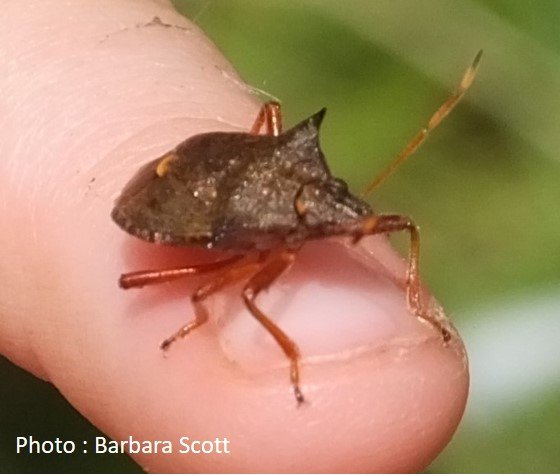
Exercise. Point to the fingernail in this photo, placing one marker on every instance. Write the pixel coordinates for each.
(334, 302)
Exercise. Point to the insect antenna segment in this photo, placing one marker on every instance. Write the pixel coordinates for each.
(434, 121)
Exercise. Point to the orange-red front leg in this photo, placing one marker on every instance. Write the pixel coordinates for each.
(376, 224)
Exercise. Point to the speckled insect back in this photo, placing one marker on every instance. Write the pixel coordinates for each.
(261, 197)
(237, 192)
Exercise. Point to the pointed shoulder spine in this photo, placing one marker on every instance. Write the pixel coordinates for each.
(317, 119)
(312, 123)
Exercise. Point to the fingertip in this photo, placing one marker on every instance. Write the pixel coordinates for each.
(387, 382)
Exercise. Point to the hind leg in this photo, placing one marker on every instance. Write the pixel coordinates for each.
(270, 116)
(137, 279)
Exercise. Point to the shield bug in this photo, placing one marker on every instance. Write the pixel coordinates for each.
(262, 197)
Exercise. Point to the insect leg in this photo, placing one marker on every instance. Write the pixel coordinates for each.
(271, 116)
(434, 121)
(260, 281)
(392, 223)
(138, 279)
(230, 276)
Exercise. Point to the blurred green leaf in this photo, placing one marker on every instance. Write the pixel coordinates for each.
(484, 189)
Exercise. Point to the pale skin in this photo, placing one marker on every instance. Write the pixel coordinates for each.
(83, 105)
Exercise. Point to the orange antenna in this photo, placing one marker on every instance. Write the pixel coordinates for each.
(434, 121)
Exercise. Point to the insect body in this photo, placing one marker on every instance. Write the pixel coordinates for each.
(261, 197)
(240, 192)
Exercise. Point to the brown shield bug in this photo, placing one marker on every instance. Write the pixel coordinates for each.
(261, 197)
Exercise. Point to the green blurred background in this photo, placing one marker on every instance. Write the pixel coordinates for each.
(485, 189)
